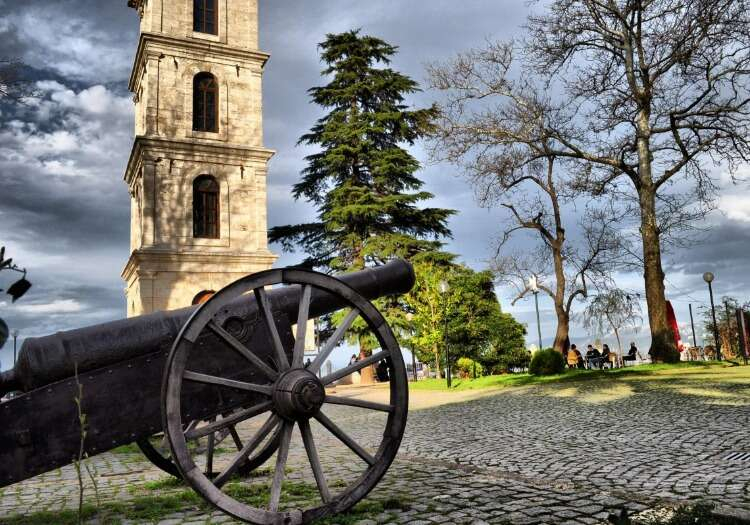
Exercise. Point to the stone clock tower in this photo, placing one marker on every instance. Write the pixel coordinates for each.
(197, 171)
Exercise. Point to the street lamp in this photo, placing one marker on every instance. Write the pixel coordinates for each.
(534, 287)
(409, 318)
(709, 278)
(444, 289)
(15, 338)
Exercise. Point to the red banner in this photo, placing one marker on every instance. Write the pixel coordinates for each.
(672, 319)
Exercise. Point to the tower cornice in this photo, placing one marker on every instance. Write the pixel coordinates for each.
(206, 48)
(152, 260)
(159, 149)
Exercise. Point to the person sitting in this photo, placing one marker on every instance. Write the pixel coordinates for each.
(573, 357)
(605, 358)
(382, 371)
(593, 356)
(632, 353)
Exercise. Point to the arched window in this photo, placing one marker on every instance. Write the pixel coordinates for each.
(205, 103)
(205, 208)
(205, 16)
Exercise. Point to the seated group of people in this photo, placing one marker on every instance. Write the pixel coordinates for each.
(597, 359)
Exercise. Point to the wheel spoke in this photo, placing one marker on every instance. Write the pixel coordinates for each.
(210, 453)
(243, 351)
(235, 437)
(304, 312)
(352, 402)
(312, 454)
(265, 308)
(344, 438)
(191, 426)
(220, 381)
(251, 445)
(231, 420)
(281, 458)
(334, 341)
(356, 367)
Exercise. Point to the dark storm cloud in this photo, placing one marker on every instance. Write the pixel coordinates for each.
(58, 210)
(725, 252)
(13, 45)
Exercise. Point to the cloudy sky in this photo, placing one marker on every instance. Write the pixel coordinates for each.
(64, 209)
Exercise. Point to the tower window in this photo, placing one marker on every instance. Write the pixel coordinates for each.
(206, 207)
(205, 16)
(205, 103)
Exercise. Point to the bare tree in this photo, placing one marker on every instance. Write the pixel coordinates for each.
(565, 271)
(511, 163)
(612, 310)
(653, 94)
(14, 84)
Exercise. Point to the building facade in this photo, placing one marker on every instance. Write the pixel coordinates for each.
(197, 171)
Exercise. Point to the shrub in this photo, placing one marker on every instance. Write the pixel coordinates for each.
(514, 358)
(546, 363)
(466, 367)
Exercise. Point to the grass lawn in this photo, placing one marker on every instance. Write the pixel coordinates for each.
(714, 371)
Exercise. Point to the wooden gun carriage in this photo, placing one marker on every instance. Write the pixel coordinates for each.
(200, 372)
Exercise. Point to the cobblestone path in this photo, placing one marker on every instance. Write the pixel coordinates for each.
(554, 454)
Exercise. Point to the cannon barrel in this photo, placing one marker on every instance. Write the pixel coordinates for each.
(45, 360)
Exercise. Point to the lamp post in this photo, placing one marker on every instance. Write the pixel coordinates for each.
(692, 325)
(534, 287)
(709, 278)
(15, 338)
(409, 318)
(444, 289)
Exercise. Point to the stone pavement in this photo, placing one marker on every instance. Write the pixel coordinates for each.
(555, 454)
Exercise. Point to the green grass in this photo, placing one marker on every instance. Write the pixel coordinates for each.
(132, 448)
(67, 517)
(720, 371)
(144, 509)
(154, 508)
(164, 484)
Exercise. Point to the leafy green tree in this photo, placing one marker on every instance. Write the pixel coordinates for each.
(473, 309)
(427, 315)
(469, 313)
(727, 328)
(507, 347)
(362, 181)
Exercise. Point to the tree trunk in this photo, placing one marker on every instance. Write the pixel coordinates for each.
(663, 347)
(619, 343)
(368, 372)
(438, 369)
(563, 329)
(563, 316)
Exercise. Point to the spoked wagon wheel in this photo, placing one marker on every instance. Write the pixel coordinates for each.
(294, 395)
(154, 450)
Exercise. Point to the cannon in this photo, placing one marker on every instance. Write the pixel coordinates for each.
(198, 374)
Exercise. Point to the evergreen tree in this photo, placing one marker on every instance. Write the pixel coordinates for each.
(363, 181)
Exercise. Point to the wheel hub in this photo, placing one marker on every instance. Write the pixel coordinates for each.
(298, 395)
